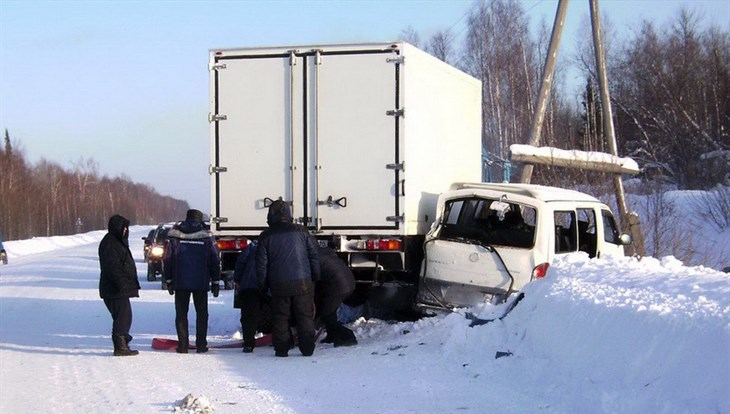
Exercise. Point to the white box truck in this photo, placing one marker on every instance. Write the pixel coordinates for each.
(360, 139)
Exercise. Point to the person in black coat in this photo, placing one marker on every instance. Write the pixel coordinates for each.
(336, 283)
(118, 282)
(254, 304)
(288, 265)
(191, 264)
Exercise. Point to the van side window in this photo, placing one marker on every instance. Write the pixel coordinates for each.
(610, 229)
(587, 231)
(565, 232)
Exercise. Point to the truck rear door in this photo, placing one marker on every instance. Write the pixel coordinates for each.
(309, 127)
(256, 95)
(356, 141)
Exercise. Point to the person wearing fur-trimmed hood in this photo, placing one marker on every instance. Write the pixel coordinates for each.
(191, 264)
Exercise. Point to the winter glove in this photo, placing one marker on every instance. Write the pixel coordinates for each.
(170, 290)
(215, 288)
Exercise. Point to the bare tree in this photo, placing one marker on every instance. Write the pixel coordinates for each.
(46, 200)
(410, 35)
(441, 46)
(674, 97)
(499, 51)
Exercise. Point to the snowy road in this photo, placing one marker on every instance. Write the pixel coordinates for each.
(618, 336)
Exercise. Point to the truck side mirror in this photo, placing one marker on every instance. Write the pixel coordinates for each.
(624, 239)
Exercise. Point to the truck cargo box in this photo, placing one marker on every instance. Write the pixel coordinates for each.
(358, 138)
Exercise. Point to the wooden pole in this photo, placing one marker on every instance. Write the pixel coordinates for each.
(546, 85)
(629, 221)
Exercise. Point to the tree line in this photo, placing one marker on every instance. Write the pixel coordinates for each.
(47, 200)
(669, 86)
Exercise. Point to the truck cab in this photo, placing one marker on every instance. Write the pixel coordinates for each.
(490, 240)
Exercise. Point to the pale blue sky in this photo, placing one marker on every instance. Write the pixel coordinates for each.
(126, 82)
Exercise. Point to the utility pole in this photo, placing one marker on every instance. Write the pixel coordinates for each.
(629, 221)
(546, 85)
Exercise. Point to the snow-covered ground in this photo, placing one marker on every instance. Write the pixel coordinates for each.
(612, 336)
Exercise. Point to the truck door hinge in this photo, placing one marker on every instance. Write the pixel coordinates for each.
(216, 170)
(397, 219)
(219, 219)
(216, 117)
(317, 56)
(399, 166)
(396, 112)
(216, 66)
(398, 60)
(292, 57)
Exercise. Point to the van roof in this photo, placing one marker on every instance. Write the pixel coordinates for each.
(538, 192)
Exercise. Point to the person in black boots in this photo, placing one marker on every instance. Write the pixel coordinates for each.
(254, 304)
(287, 264)
(191, 263)
(336, 283)
(118, 282)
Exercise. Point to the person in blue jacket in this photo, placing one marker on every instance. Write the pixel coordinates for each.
(191, 264)
(249, 298)
(288, 265)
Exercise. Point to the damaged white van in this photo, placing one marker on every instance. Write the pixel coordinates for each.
(489, 240)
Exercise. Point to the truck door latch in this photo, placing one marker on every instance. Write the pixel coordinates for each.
(342, 202)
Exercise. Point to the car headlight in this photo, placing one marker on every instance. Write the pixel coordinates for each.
(157, 251)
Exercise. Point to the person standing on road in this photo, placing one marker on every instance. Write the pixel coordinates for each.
(249, 298)
(118, 282)
(191, 263)
(3, 253)
(287, 264)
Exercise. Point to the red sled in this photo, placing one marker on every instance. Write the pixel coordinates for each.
(166, 344)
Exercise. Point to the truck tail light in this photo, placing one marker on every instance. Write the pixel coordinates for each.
(540, 270)
(232, 244)
(380, 244)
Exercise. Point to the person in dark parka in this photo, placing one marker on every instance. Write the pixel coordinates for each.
(254, 303)
(288, 265)
(191, 264)
(118, 282)
(336, 283)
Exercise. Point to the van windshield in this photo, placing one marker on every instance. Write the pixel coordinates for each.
(489, 221)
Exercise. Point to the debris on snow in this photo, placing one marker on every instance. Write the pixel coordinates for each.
(194, 405)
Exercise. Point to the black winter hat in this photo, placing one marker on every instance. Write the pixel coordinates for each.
(116, 226)
(194, 214)
(279, 212)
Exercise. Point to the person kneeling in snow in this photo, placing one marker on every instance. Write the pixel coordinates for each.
(336, 283)
(118, 282)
